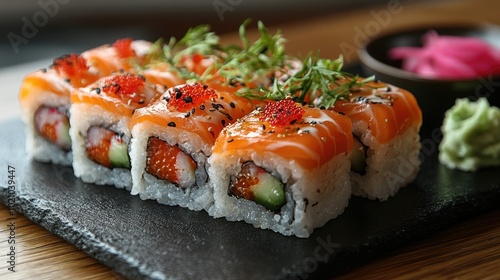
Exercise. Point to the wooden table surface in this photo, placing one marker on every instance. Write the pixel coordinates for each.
(469, 250)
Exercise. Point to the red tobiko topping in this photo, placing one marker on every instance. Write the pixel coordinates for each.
(124, 47)
(70, 64)
(282, 113)
(124, 85)
(191, 95)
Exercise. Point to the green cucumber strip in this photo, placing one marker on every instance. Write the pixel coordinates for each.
(269, 192)
(118, 154)
(62, 132)
(358, 157)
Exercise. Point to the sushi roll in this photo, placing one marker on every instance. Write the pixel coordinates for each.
(45, 102)
(100, 116)
(284, 168)
(386, 124)
(172, 140)
(45, 95)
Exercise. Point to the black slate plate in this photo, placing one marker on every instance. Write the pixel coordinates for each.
(142, 239)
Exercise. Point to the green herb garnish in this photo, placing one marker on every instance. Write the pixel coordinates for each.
(319, 82)
(197, 41)
(253, 62)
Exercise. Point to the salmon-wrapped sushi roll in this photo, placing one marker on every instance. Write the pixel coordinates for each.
(285, 167)
(386, 123)
(100, 116)
(45, 101)
(45, 94)
(173, 137)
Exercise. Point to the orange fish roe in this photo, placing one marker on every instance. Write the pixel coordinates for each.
(282, 113)
(191, 95)
(124, 47)
(162, 159)
(245, 180)
(70, 65)
(126, 86)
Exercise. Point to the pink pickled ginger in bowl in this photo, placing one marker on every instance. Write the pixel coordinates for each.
(438, 64)
(449, 57)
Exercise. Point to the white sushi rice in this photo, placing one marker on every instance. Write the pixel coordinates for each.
(84, 116)
(313, 197)
(148, 186)
(389, 166)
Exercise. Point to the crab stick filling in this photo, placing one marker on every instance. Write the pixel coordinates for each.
(256, 184)
(170, 163)
(53, 125)
(107, 147)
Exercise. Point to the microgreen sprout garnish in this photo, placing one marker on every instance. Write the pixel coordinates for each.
(252, 62)
(262, 68)
(319, 82)
(198, 41)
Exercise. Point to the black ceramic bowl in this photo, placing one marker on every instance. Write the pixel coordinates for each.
(434, 96)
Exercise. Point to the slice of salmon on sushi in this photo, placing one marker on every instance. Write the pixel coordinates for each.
(172, 140)
(100, 116)
(386, 124)
(45, 101)
(123, 55)
(284, 168)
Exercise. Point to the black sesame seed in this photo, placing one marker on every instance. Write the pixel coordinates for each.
(229, 117)
(223, 122)
(388, 89)
(172, 124)
(178, 93)
(263, 127)
(216, 106)
(97, 90)
(166, 98)
(232, 104)
(188, 99)
(322, 107)
(202, 107)
(44, 70)
(193, 110)
(342, 113)
(230, 140)
(67, 80)
(293, 121)
(205, 87)
(187, 115)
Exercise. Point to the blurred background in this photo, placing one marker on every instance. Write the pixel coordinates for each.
(36, 29)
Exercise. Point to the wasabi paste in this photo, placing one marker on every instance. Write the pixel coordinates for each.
(471, 135)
